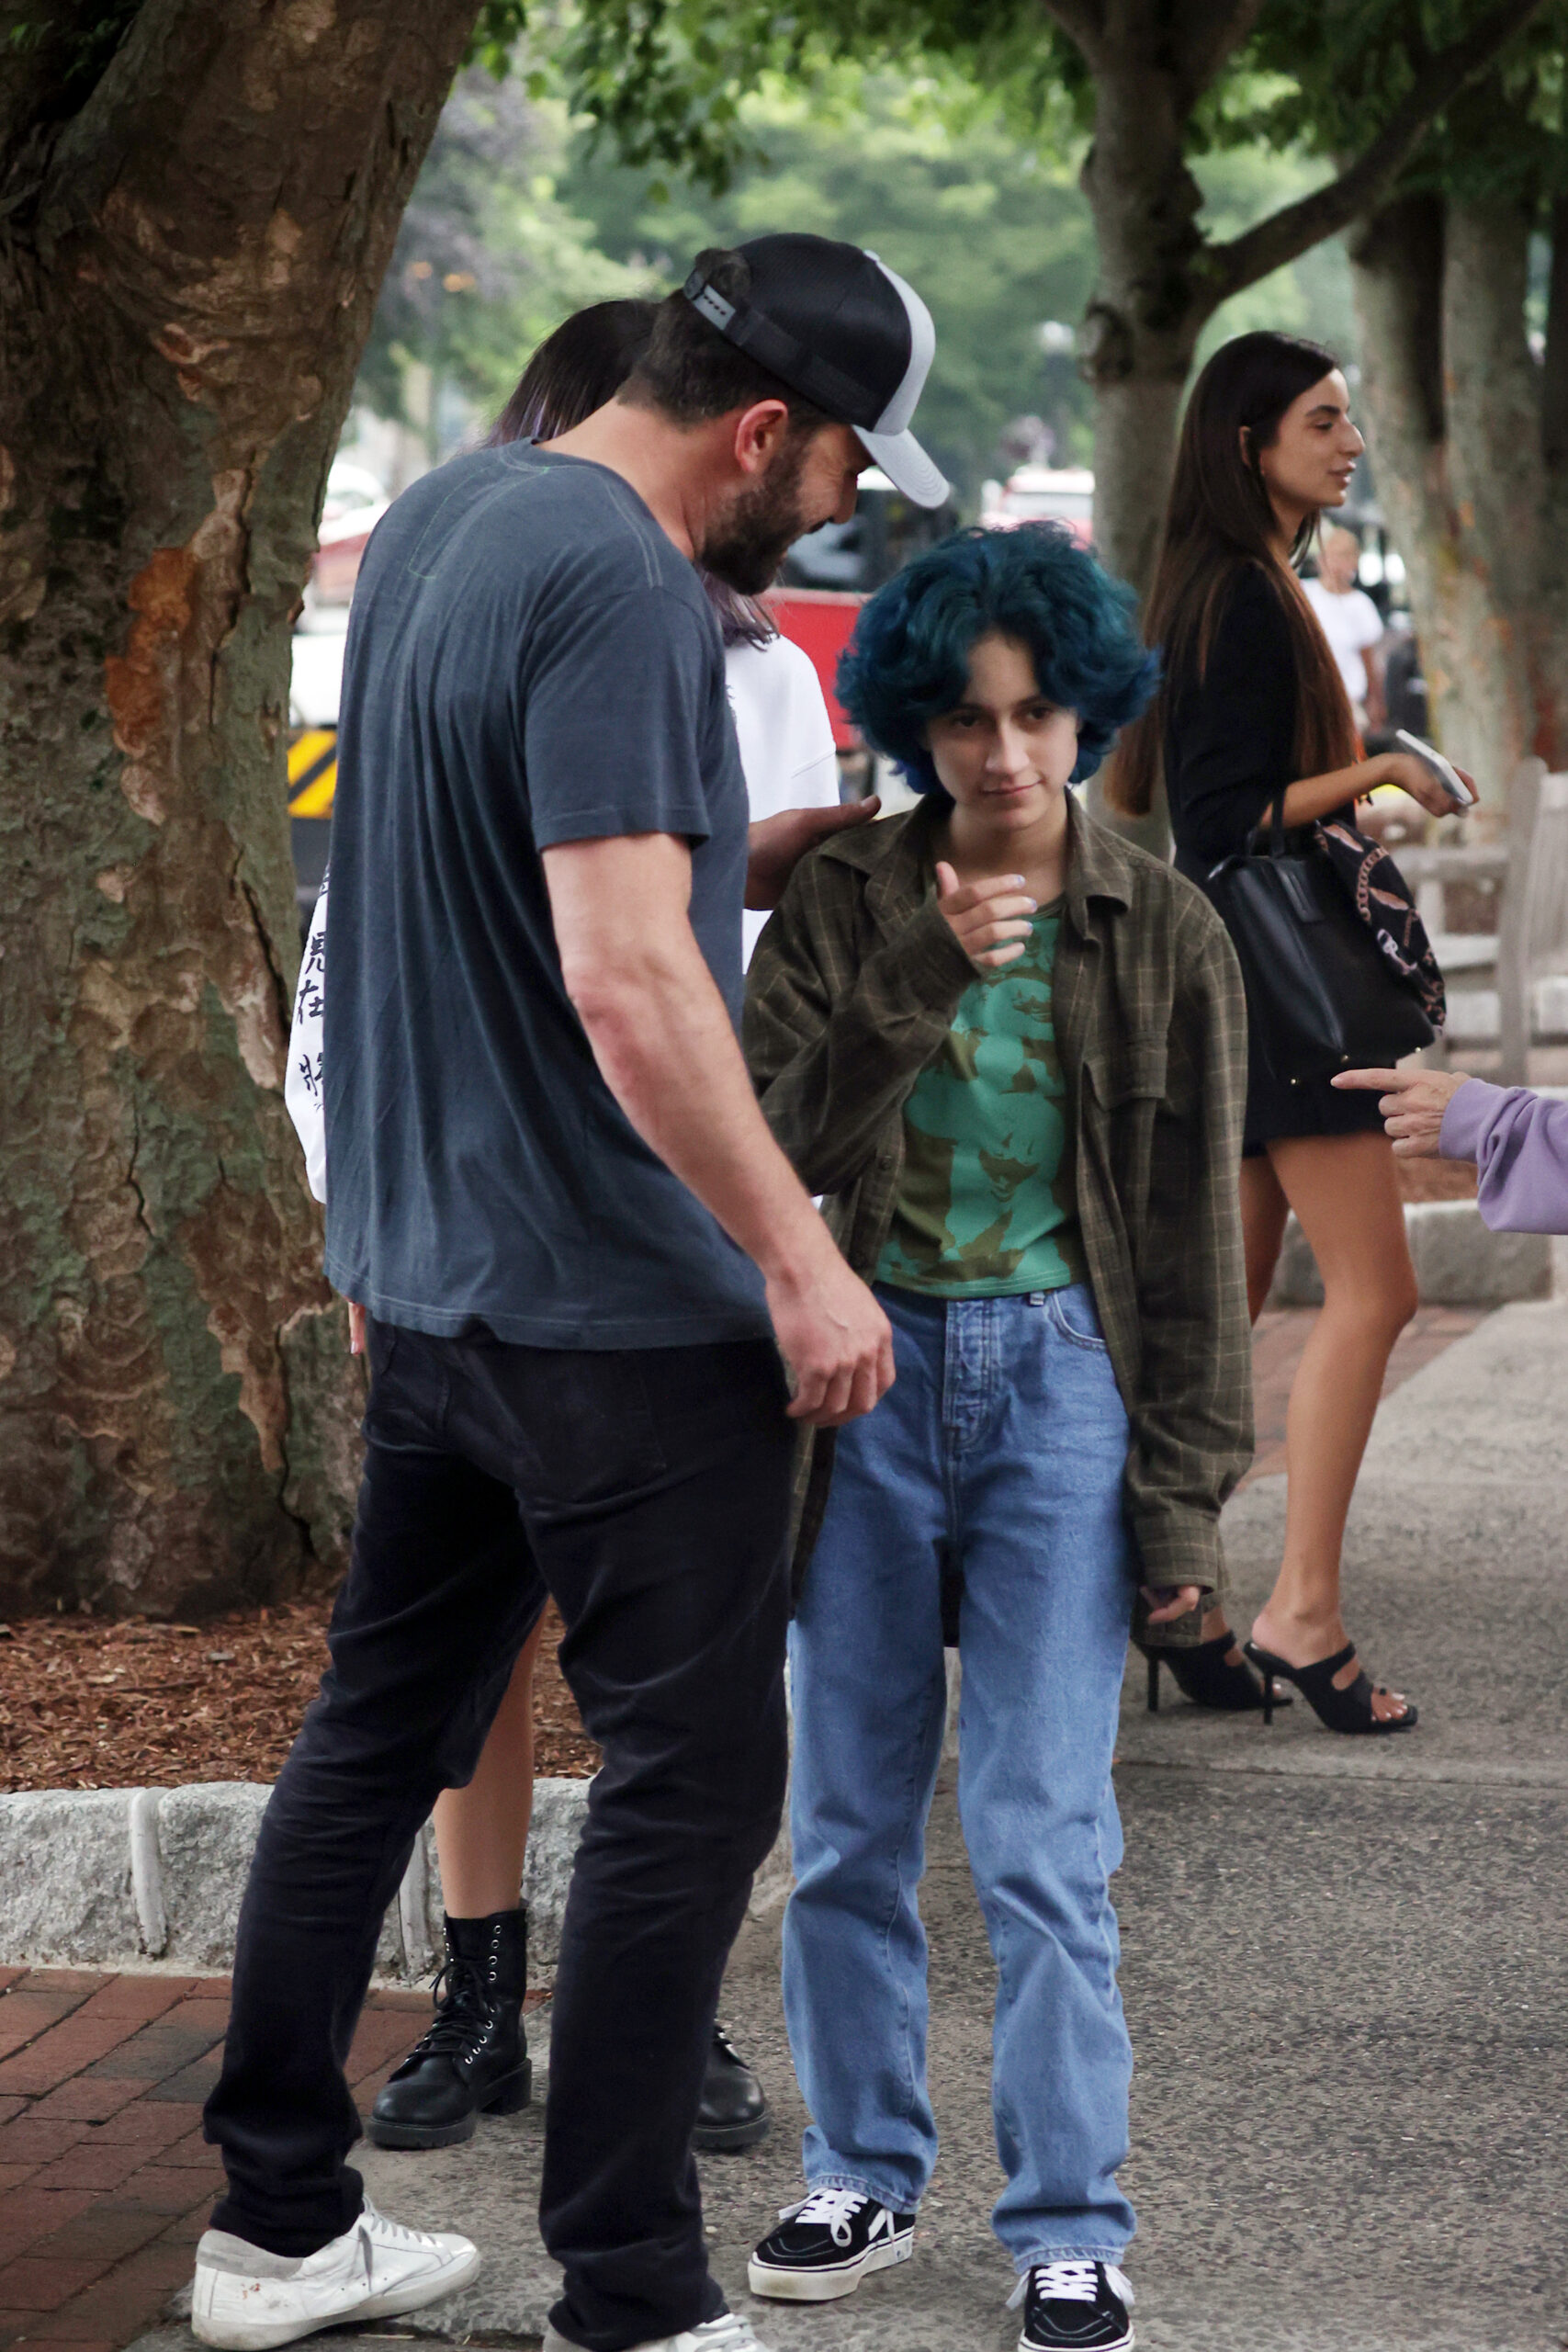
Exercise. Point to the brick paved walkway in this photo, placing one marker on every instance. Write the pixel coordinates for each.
(105, 2179)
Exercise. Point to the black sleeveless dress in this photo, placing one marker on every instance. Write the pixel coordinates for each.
(1228, 743)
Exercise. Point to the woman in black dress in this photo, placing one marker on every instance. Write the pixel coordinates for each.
(1253, 708)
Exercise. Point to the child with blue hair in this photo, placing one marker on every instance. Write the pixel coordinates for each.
(1008, 1048)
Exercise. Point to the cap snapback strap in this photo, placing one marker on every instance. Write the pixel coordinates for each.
(776, 348)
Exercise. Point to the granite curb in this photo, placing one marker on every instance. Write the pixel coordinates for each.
(140, 1879)
(151, 1878)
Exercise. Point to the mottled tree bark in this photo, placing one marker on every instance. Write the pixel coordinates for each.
(1460, 415)
(191, 238)
(1142, 326)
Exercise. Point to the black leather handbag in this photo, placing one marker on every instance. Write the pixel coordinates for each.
(1321, 996)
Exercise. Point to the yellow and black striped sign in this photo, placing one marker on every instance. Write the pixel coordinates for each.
(312, 772)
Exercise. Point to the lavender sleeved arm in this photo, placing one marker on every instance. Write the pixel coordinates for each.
(1520, 1143)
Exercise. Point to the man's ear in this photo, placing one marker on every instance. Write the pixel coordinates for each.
(760, 432)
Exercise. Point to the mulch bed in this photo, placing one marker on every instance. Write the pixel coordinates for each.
(87, 1703)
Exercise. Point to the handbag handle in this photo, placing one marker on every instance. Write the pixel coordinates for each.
(1277, 826)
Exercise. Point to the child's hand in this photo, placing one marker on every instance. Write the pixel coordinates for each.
(990, 919)
(1169, 1601)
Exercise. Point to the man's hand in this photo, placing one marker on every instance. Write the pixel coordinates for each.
(778, 844)
(355, 1327)
(835, 1340)
(1413, 1104)
(1168, 1601)
(990, 919)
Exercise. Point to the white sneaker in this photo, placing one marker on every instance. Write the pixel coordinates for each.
(246, 2300)
(728, 2333)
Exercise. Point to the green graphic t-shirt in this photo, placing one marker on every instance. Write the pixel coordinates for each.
(988, 1206)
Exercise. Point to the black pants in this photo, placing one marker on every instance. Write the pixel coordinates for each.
(649, 1493)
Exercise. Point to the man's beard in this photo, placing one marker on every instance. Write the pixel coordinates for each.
(751, 540)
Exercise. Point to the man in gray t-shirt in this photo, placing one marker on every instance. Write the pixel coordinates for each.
(569, 676)
(589, 1270)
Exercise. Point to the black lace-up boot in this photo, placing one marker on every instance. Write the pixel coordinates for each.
(734, 2112)
(474, 2058)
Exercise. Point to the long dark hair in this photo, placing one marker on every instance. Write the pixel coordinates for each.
(580, 368)
(1220, 519)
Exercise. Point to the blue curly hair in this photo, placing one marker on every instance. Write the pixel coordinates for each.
(908, 660)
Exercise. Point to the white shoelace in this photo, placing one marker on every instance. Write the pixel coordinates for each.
(394, 2232)
(1070, 2282)
(837, 2207)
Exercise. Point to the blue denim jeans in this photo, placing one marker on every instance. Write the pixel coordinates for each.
(1001, 1446)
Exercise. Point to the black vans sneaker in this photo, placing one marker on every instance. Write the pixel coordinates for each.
(825, 2245)
(1074, 2307)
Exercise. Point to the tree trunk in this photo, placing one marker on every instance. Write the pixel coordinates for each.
(1141, 329)
(189, 264)
(1453, 401)
(1142, 326)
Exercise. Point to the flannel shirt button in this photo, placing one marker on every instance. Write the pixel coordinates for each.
(885, 1160)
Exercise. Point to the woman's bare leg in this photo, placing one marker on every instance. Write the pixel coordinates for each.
(1264, 1209)
(481, 1831)
(1344, 1192)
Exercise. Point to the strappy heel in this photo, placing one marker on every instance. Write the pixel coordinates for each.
(1204, 1675)
(1349, 1710)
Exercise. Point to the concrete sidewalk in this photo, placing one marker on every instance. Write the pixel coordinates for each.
(1346, 1967)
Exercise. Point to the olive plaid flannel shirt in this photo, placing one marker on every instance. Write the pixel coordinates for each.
(852, 989)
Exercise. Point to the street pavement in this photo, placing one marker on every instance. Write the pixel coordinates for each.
(1345, 1966)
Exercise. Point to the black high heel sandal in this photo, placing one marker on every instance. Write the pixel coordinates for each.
(1349, 1710)
(1204, 1675)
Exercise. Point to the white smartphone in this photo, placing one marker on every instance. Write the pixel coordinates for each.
(1449, 777)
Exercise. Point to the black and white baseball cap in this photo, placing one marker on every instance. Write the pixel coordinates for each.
(836, 324)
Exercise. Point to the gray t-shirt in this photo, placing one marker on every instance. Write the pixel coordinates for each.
(529, 660)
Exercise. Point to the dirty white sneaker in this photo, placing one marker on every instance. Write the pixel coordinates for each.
(728, 2333)
(246, 2300)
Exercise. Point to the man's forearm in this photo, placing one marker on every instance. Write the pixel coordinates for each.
(663, 1042)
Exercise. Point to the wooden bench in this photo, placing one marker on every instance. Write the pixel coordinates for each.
(1510, 988)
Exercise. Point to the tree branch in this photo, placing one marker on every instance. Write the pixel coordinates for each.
(1225, 269)
(49, 61)
(1207, 33)
(1083, 21)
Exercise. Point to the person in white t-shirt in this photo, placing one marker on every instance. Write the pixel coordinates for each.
(1347, 615)
(475, 2056)
(785, 734)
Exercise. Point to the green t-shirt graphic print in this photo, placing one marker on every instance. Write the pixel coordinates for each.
(986, 1205)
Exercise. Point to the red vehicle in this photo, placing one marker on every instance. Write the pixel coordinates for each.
(820, 621)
